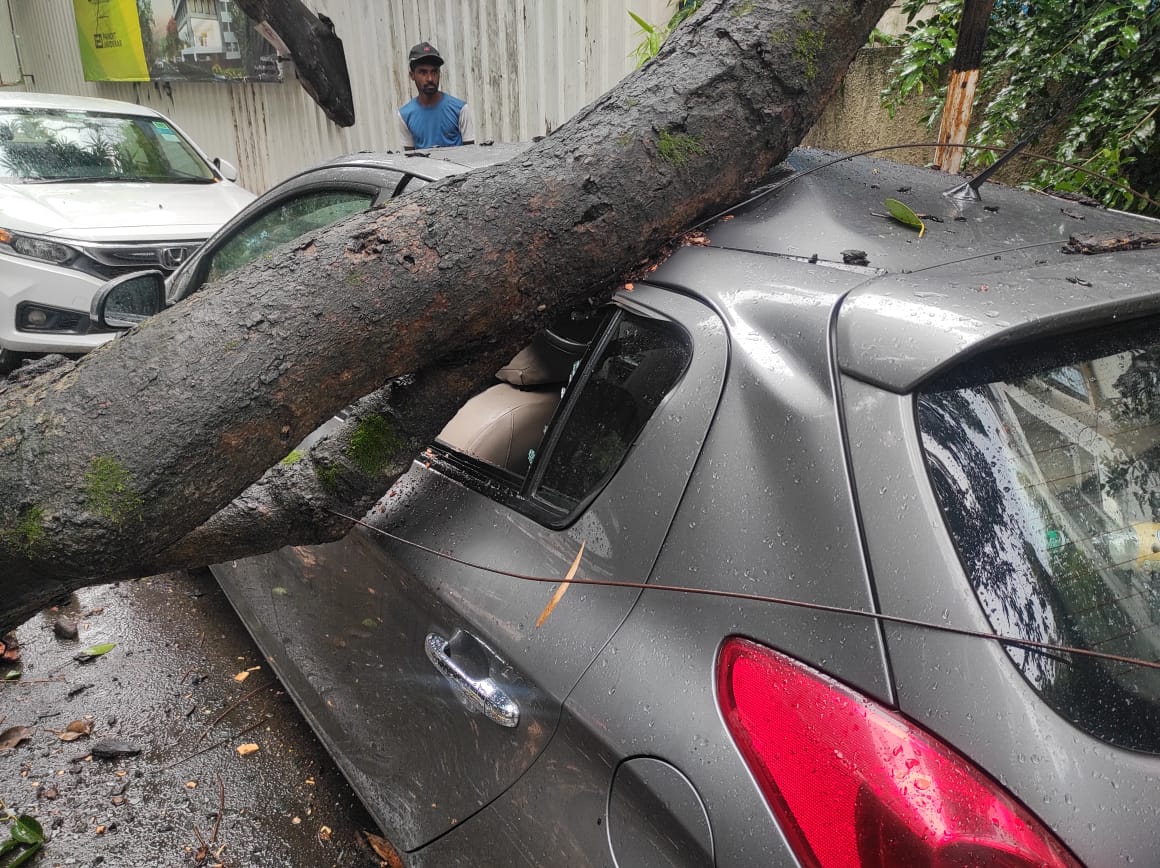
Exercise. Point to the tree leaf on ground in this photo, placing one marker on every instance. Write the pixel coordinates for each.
(25, 856)
(76, 729)
(27, 830)
(905, 215)
(12, 736)
(95, 651)
(383, 850)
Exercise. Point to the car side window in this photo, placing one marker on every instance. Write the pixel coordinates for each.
(283, 223)
(639, 363)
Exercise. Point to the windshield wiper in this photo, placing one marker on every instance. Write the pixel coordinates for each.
(65, 179)
(119, 179)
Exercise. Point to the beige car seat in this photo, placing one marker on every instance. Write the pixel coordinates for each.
(504, 424)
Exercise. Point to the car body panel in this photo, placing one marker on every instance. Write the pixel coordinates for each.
(991, 272)
(121, 211)
(409, 593)
(808, 490)
(906, 328)
(1103, 801)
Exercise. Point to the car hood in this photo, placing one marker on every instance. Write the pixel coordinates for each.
(122, 211)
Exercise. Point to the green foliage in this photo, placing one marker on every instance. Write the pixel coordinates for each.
(293, 458)
(654, 36)
(878, 37)
(650, 44)
(1087, 73)
(109, 492)
(145, 18)
(26, 832)
(327, 477)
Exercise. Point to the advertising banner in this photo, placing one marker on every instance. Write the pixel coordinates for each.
(109, 34)
(171, 40)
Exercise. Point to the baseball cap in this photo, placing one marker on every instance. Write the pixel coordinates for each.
(425, 51)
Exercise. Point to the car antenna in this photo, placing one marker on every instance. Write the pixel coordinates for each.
(969, 189)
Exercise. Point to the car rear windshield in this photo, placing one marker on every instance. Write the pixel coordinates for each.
(44, 145)
(1047, 468)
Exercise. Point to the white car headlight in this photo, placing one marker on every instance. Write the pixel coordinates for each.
(37, 248)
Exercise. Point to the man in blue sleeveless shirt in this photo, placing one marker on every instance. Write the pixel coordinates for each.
(432, 119)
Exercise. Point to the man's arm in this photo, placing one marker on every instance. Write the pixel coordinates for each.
(465, 131)
(405, 132)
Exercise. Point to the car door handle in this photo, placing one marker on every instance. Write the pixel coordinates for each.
(462, 660)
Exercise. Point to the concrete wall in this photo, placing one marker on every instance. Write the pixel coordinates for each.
(856, 120)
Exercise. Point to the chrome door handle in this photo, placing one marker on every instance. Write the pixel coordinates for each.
(480, 693)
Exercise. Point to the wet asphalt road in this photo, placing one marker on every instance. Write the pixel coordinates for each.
(169, 689)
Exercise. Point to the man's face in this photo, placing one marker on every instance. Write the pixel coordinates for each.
(426, 78)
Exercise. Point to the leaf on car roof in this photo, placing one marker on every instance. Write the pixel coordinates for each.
(560, 591)
(905, 215)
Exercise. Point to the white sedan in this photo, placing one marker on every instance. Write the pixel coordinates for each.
(91, 189)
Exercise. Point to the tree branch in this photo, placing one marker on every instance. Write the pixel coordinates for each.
(319, 59)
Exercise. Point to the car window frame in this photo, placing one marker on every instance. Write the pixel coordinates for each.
(192, 279)
(520, 493)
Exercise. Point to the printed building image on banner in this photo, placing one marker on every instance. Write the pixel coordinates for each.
(172, 40)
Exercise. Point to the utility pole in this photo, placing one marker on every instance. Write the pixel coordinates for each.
(956, 116)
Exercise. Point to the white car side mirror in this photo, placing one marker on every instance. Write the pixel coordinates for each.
(228, 170)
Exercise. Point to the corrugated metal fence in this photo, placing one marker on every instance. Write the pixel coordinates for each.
(525, 66)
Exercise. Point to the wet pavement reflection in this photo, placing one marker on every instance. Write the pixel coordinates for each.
(186, 687)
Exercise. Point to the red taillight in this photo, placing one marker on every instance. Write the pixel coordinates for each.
(854, 784)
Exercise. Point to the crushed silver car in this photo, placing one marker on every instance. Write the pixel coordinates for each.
(832, 543)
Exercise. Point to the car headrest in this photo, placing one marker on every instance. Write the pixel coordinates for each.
(547, 361)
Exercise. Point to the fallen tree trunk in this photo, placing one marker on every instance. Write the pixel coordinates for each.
(108, 464)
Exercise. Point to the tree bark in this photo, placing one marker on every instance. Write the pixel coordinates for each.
(108, 465)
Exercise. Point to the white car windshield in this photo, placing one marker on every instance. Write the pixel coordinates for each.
(47, 145)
